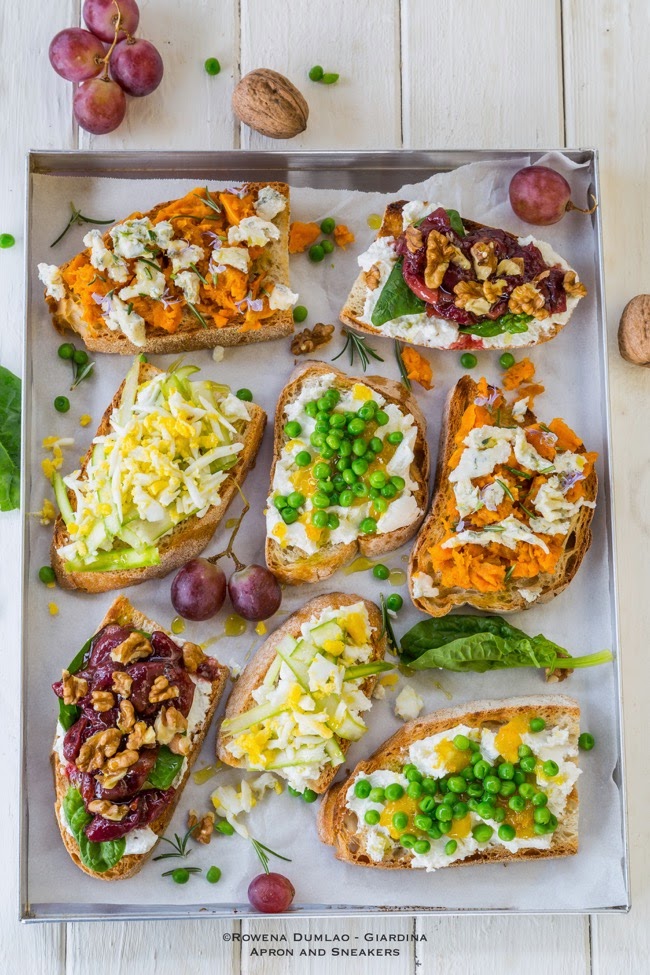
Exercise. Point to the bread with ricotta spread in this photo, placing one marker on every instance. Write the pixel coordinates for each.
(211, 268)
(335, 515)
(510, 520)
(444, 282)
(390, 811)
(134, 708)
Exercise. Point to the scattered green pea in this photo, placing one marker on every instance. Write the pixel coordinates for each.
(46, 574)
(293, 429)
(66, 351)
(316, 253)
(394, 602)
(482, 833)
(300, 313)
(180, 875)
(381, 571)
(507, 833)
(302, 458)
(213, 875)
(309, 795)
(408, 840)
(62, 404)
(468, 360)
(362, 789)
(377, 794)
(368, 526)
(212, 66)
(586, 741)
(244, 394)
(329, 78)
(421, 846)
(506, 360)
(536, 725)
(372, 817)
(293, 792)
(327, 246)
(7, 240)
(550, 768)
(316, 73)
(450, 847)
(327, 225)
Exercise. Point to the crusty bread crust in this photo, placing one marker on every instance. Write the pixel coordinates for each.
(121, 611)
(187, 539)
(190, 335)
(352, 311)
(292, 566)
(577, 540)
(338, 827)
(241, 697)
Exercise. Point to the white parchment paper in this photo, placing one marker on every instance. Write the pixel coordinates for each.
(580, 618)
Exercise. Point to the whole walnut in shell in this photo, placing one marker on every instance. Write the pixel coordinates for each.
(269, 103)
(634, 331)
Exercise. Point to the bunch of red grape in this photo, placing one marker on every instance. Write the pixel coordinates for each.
(81, 56)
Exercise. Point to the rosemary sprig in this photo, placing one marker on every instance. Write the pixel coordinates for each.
(197, 314)
(507, 490)
(145, 260)
(209, 201)
(518, 473)
(263, 853)
(178, 844)
(387, 627)
(526, 511)
(196, 271)
(192, 216)
(400, 363)
(78, 217)
(355, 345)
(168, 873)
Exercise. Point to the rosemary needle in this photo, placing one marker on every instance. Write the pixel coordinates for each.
(400, 362)
(78, 217)
(355, 345)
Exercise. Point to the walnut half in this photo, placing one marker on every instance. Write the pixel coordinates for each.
(169, 722)
(206, 826)
(310, 339)
(109, 810)
(74, 688)
(97, 749)
(162, 691)
(135, 647)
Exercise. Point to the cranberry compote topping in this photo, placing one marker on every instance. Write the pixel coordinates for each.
(142, 810)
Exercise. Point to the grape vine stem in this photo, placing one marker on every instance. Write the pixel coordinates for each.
(228, 549)
(118, 25)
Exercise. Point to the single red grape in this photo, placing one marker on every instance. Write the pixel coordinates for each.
(271, 893)
(198, 590)
(76, 54)
(101, 17)
(137, 67)
(254, 592)
(99, 105)
(539, 195)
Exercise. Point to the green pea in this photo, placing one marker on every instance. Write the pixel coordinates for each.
(381, 418)
(372, 817)
(468, 773)
(7, 240)
(333, 395)
(489, 800)
(280, 501)
(321, 471)
(400, 820)
(394, 603)
(346, 498)
(293, 429)
(381, 571)
(345, 450)
(380, 505)
(388, 491)
(552, 822)
(550, 768)
(368, 526)
(434, 831)
(398, 482)
(80, 357)
(46, 574)
(476, 756)
(300, 313)
(472, 804)
(333, 440)
(394, 791)
(507, 789)
(180, 875)
(481, 769)
(327, 246)
(541, 815)
(506, 360)
(327, 452)
(61, 404)
(309, 795)
(539, 799)
(360, 489)
(212, 67)
(461, 742)
(293, 792)
(328, 224)
(295, 499)
(311, 409)
(407, 840)
(316, 74)
(333, 522)
(66, 351)
(586, 741)
(213, 875)
(337, 420)
(450, 847)
(414, 790)
(505, 770)
(377, 794)
(374, 493)
(456, 784)
(427, 803)
(377, 479)
(225, 827)
(319, 519)
(536, 725)
(422, 822)
(540, 829)
(368, 410)
(507, 833)
(302, 458)
(468, 360)
(524, 751)
(517, 803)
(528, 763)
(421, 846)
(244, 394)
(443, 813)
(289, 515)
(320, 500)
(330, 78)
(445, 828)
(459, 810)
(359, 447)
(362, 789)
(349, 476)
(482, 833)
(317, 438)
(499, 814)
(442, 785)
(356, 426)
(316, 253)
(412, 773)
(376, 445)
(519, 776)
(450, 799)
(395, 438)
(526, 789)
(343, 464)
(485, 810)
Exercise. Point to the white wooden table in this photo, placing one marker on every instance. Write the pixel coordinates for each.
(418, 74)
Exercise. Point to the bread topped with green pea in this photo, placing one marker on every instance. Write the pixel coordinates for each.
(350, 472)
(478, 783)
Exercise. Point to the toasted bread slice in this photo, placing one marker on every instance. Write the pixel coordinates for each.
(122, 612)
(291, 564)
(187, 539)
(241, 698)
(510, 599)
(352, 313)
(339, 827)
(190, 334)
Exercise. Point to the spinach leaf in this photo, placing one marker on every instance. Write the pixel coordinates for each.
(9, 440)
(99, 857)
(68, 713)
(455, 222)
(396, 299)
(480, 643)
(166, 768)
(488, 327)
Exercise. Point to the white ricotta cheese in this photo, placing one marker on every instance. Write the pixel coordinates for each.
(423, 586)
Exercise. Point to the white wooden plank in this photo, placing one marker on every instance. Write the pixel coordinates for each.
(534, 945)
(190, 109)
(42, 118)
(156, 948)
(607, 50)
(332, 946)
(358, 40)
(481, 74)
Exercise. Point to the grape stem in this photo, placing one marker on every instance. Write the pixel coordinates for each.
(118, 25)
(572, 206)
(228, 549)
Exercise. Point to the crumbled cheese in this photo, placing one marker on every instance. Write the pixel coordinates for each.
(237, 257)
(508, 532)
(423, 586)
(253, 232)
(119, 318)
(269, 203)
(282, 297)
(148, 283)
(190, 285)
(218, 353)
(519, 409)
(50, 275)
(531, 594)
(408, 703)
(183, 254)
(102, 258)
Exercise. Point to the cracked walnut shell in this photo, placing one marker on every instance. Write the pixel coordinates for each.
(206, 826)
(310, 339)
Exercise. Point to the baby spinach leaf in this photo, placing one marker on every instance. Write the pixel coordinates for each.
(166, 768)
(488, 327)
(68, 713)
(455, 222)
(99, 857)
(9, 440)
(396, 299)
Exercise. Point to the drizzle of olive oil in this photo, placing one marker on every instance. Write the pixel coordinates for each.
(405, 558)
(205, 774)
(397, 577)
(439, 686)
(234, 625)
(178, 625)
(374, 221)
(359, 565)
(260, 629)
(231, 522)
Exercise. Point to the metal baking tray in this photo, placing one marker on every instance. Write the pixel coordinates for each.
(42, 659)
